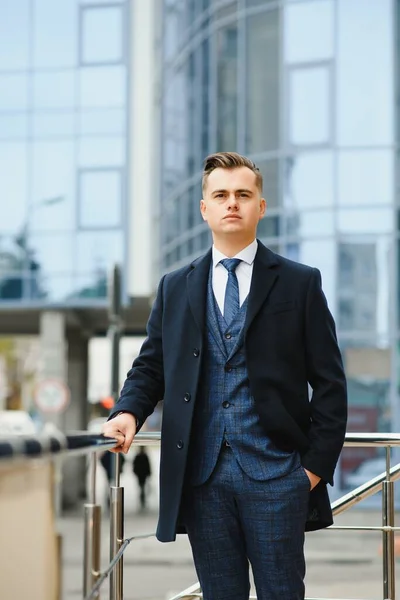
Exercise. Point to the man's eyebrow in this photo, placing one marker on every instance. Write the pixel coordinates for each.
(240, 191)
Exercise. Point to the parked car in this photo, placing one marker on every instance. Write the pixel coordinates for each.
(366, 470)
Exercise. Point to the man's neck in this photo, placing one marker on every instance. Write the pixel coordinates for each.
(230, 247)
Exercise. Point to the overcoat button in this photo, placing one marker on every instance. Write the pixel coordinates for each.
(196, 352)
(187, 397)
(179, 445)
(226, 404)
(228, 368)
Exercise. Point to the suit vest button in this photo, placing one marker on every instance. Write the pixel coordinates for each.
(179, 445)
(187, 397)
(196, 352)
(228, 336)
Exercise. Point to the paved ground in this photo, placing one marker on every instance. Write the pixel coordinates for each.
(339, 564)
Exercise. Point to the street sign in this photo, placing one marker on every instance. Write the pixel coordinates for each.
(51, 396)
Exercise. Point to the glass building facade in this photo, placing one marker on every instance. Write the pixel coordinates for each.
(63, 116)
(308, 90)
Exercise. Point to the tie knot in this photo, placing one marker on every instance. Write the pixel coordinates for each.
(230, 264)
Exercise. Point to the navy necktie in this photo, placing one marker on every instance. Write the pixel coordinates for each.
(231, 304)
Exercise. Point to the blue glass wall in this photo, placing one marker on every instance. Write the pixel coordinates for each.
(63, 113)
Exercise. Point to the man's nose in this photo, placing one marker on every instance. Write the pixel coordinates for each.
(232, 201)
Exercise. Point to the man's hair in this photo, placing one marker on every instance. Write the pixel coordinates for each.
(230, 160)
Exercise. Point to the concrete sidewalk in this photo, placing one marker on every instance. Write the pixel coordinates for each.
(340, 564)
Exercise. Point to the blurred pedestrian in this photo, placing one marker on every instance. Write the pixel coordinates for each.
(106, 460)
(142, 470)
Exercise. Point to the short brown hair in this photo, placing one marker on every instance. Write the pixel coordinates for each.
(230, 160)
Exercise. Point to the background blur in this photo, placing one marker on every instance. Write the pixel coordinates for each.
(107, 110)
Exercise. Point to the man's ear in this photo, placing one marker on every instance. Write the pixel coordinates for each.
(263, 207)
(203, 209)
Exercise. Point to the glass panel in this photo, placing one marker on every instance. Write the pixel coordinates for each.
(226, 47)
(13, 126)
(308, 31)
(13, 187)
(101, 152)
(310, 97)
(309, 180)
(96, 253)
(270, 171)
(57, 288)
(365, 54)
(102, 86)
(368, 368)
(55, 34)
(262, 89)
(102, 2)
(269, 226)
(205, 95)
(52, 205)
(322, 255)
(174, 28)
(14, 35)
(175, 132)
(102, 35)
(56, 124)
(316, 223)
(102, 121)
(252, 3)
(13, 92)
(100, 200)
(54, 90)
(366, 177)
(365, 220)
(53, 253)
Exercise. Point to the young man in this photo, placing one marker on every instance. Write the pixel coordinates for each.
(234, 340)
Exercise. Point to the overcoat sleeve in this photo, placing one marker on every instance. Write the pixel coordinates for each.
(326, 376)
(144, 384)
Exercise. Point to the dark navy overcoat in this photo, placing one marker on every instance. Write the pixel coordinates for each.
(290, 346)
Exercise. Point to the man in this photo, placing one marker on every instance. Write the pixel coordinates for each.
(142, 470)
(234, 341)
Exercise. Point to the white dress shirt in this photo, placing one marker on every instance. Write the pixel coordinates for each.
(244, 272)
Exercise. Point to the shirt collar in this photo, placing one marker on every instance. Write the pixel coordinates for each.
(247, 255)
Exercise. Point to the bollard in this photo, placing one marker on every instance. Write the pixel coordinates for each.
(92, 534)
(116, 533)
(388, 536)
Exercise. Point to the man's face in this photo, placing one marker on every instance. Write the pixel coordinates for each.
(232, 202)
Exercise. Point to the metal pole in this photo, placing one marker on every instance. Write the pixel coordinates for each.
(116, 492)
(388, 536)
(92, 534)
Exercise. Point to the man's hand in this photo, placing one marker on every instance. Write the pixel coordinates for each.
(314, 479)
(123, 429)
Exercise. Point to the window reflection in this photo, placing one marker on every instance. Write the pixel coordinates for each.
(102, 87)
(14, 35)
(100, 199)
(54, 34)
(365, 220)
(53, 189)
(365, 54)
(102, 35)
(308, 31)
(53, 253)
(365, 177)
(262, 89)
(97, 251)
(13, 186)
(271, 186)
(309, 180)
(54, 90)
(226, 88)
(13, 126)
(310, 96)
(322, 255)
(14, 92)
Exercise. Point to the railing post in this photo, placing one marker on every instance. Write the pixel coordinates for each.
(116, 491)
(388, 536)
(92, 534)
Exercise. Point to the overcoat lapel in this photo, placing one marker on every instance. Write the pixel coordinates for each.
(263, 279)
(196, 282)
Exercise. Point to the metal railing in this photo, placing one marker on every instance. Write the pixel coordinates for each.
(384, 481)
(81, 444)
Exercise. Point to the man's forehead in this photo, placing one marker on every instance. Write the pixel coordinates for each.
(239, 177)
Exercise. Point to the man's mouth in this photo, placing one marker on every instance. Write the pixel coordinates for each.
(232, 217)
